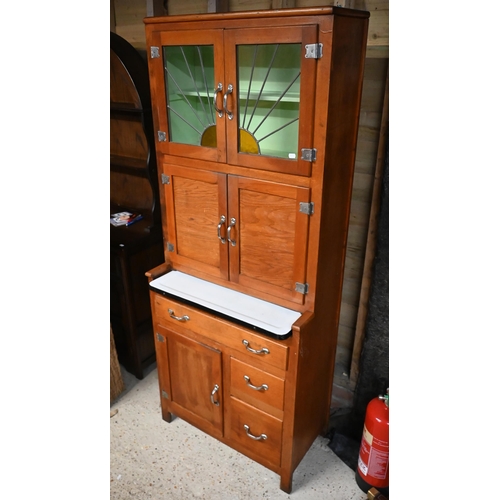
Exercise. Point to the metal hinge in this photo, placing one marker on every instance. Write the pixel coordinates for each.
(164, 394)
(155, 52)
(306, 208)
(302, 288)
(308, 154)
(162, 136)
(314, 50)
(165, 179)
(160, 338)
(170, 247)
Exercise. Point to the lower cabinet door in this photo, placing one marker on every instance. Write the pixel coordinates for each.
(195, 373)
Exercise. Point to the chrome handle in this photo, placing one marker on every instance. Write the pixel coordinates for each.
(228, 91)
(257, 438)
(216, 388)
(178, 318)
(263, 387)
(219, 225)
(264, 350)
(220, 112)
(231, 225)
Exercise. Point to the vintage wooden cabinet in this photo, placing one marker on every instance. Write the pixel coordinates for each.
(256, 120)
(133, 187)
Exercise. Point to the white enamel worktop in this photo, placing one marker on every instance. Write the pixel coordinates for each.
(259, 313)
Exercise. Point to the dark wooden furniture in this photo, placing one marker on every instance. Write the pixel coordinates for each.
(256, 121)
(134, 187)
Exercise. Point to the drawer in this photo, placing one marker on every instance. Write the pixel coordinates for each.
(175, 315)
(255, 386)
(255, 431)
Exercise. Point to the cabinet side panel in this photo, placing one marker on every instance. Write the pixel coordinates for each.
(346, 77)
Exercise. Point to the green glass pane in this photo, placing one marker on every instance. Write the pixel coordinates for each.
(268, 99)
(189, 80)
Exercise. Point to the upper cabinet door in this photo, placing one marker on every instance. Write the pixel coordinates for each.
(187, 71)
(269, 97)
(267, 236)
(196, 210)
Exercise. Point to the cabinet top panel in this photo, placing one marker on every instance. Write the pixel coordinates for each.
(261, 14)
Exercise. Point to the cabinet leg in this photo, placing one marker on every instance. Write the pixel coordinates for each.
(166, 415)
(286, 482)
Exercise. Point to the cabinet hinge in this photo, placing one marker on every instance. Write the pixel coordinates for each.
(164, 394)
(302, 288)
(170, 247)
(162, 136)
(306, 208)
(165, 179)
(160, 338)
(314, 50)
(309, 154)
(155, 52)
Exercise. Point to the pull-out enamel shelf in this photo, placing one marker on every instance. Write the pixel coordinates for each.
(268, 318)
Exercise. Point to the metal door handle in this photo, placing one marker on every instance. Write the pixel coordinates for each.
(263, 387)
(178, 318)
(257, 438)
(264, 350)
(216, 388)
(220, 112)
(228, 91)
(231, 225)
(219, 226)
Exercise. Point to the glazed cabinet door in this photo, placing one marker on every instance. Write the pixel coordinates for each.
(267, 236)
(196, 218)
(190, 375)
(270, 86)
(187, 70)
(242, 96)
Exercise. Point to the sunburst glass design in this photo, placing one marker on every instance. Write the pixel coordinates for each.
(268, 97)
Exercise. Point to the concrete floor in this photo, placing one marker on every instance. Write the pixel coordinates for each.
(150, 459)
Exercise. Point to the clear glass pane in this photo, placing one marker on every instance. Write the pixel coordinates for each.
(268, 100)
(189, 78)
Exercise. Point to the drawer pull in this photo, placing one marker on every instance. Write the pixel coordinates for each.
(263, 387)
(264, 350)
(262, 437)
(178, 318)
(216, 388)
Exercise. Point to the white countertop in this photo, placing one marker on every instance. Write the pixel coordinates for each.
(256, 312)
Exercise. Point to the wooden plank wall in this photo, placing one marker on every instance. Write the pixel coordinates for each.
(128, 18)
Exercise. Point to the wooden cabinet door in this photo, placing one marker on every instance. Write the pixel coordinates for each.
(271, 102)
(195, 372)
(185, 71)
(267, 236)
(196, 214)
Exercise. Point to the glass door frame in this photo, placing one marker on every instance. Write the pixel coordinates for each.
(215, 38)
(278, 35)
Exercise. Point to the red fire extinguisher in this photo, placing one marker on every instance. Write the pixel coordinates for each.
(373, 460)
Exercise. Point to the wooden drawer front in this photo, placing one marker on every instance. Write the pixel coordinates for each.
(244, 340)
(255, 386)
(258, 424)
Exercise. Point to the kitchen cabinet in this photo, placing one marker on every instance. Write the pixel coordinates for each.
(255, 118)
